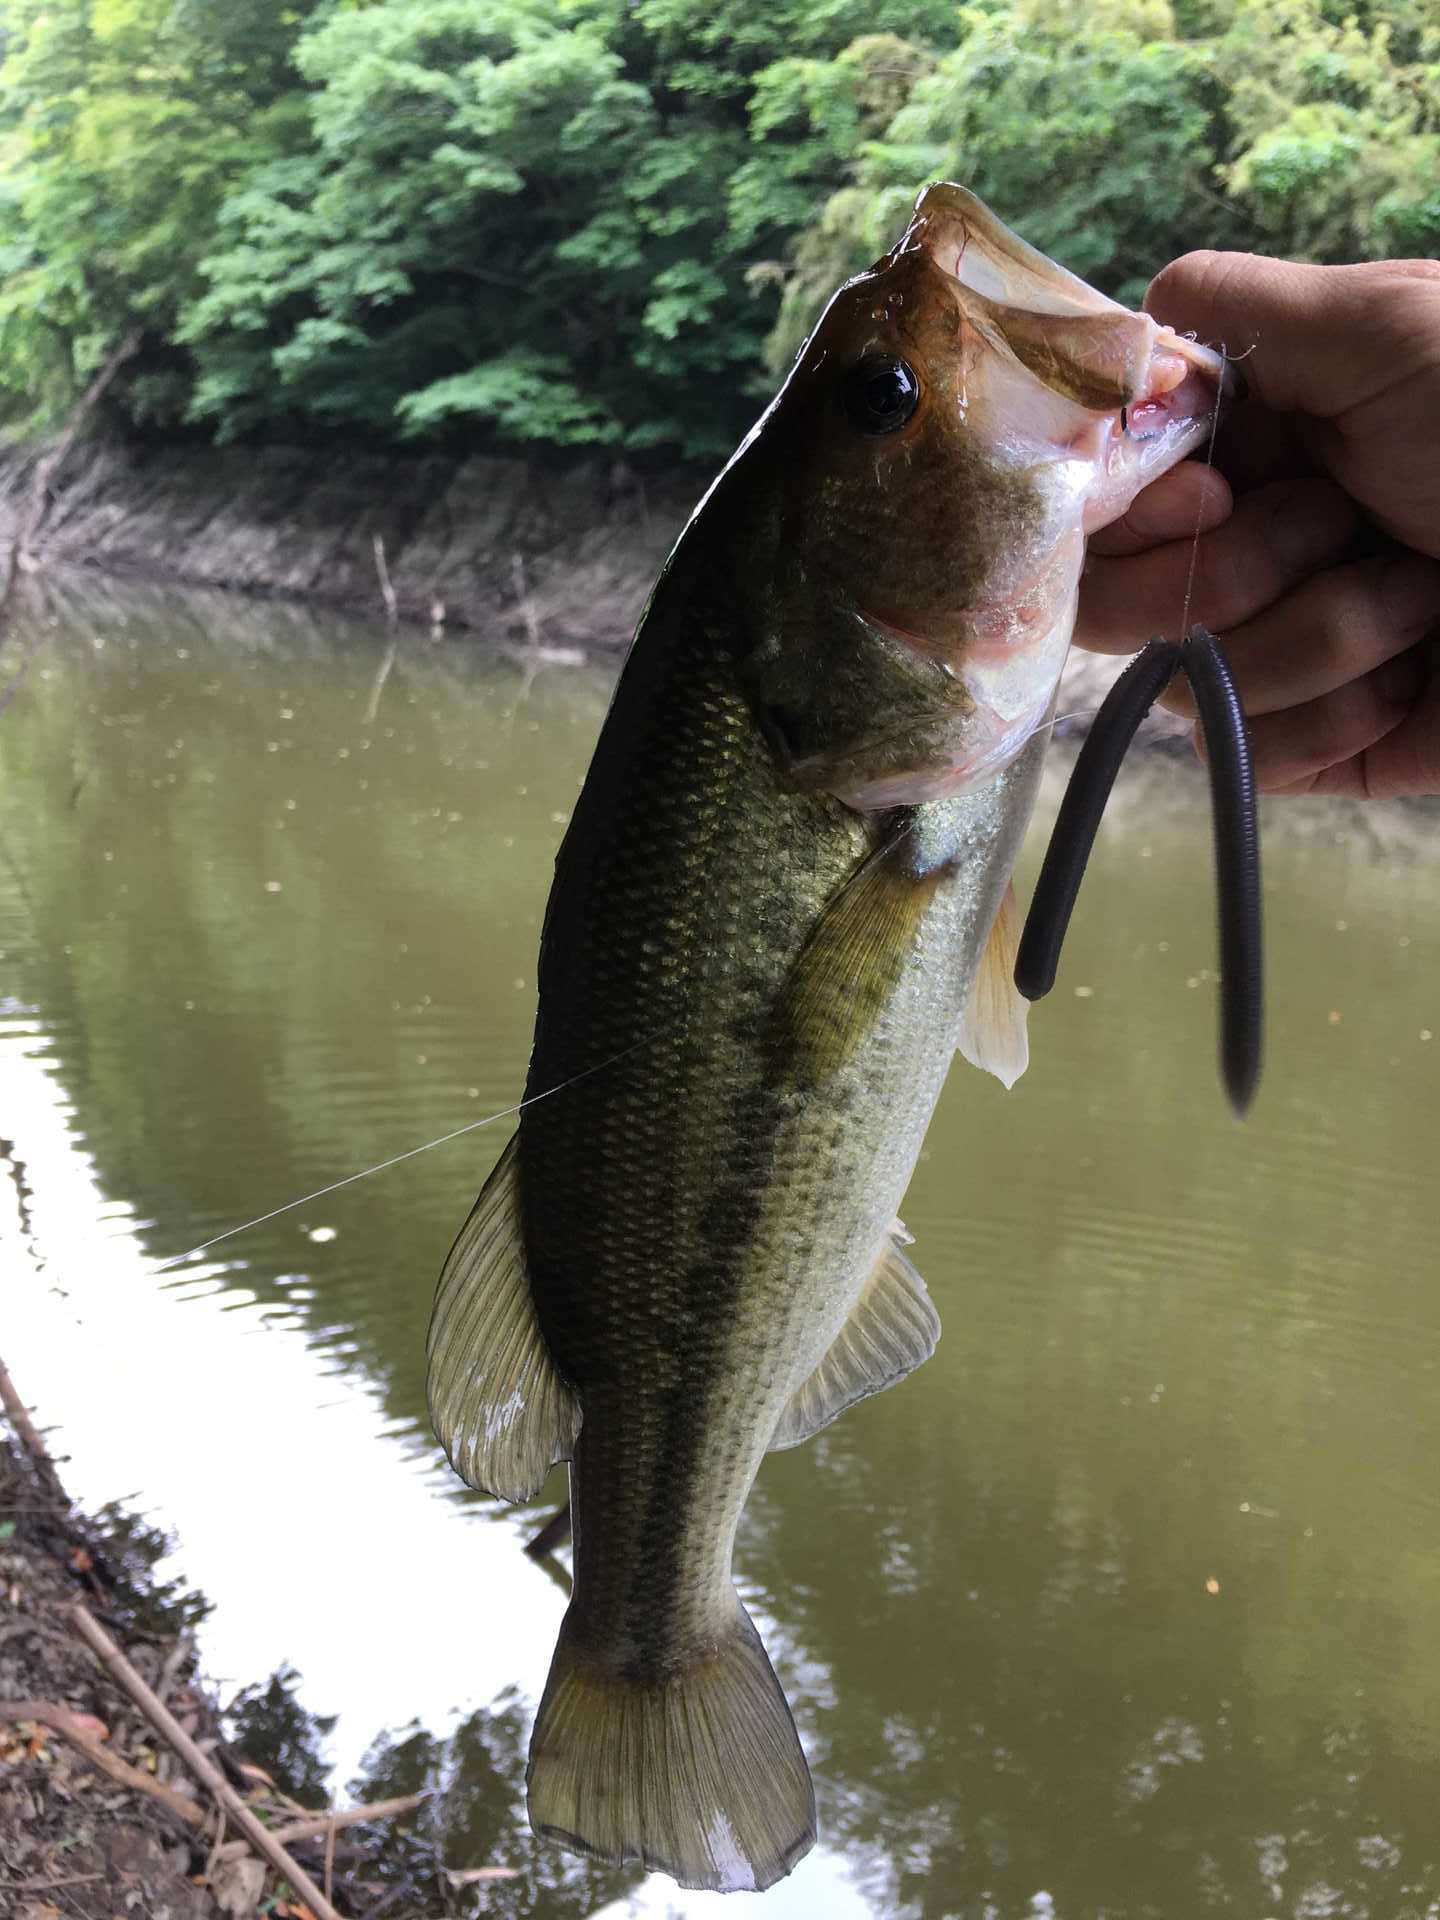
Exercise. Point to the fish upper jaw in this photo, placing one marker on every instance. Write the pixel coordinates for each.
(1060, 372)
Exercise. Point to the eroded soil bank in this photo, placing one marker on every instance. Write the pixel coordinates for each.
(513, 548)
(515, 552)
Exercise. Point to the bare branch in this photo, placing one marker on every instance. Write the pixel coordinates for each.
(65, 1722)
(200, 1764)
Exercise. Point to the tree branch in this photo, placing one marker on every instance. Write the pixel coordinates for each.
(200, 1764)
(38, 499)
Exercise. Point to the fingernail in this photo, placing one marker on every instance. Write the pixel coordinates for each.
(1410, 589)
(1401, 681)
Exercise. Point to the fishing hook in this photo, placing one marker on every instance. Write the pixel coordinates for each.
(1236, 833)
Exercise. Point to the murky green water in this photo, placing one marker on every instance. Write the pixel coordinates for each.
(1127, 1605)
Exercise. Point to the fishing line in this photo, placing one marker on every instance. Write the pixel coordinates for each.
(1198, 655)
(1091, 713)
(383, 1166)
(507, 1113)
(1184, 627)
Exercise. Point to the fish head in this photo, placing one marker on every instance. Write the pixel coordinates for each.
(963, 416)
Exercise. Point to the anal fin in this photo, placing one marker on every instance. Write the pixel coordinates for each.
(892, 1329)
(993, 1031)
(497, 1402)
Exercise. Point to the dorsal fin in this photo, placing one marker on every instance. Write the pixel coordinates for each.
(892, 1329)
(497, 1402)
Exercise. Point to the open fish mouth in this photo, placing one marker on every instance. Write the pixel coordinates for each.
(979, 411)
(1185, 382)
(1106, 383)
(1077, 341)
(1079, 402)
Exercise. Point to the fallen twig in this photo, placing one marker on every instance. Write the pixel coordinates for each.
(387, 591)
(382, 674)
(203, 1768)
(18, 1628)
(524, 601)
(29, 1436)
(213, 1859)
(65, 1722)
(318, 1823)
(44, 1886)
(174, 1660)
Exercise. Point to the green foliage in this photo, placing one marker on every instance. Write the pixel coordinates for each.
(122, 125)
(587, 222)
(526, 394)
(1338, 143)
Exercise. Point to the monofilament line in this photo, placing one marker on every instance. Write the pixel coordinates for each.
(1200, 509)
(383, 1166)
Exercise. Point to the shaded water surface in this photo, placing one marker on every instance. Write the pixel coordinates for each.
(1128, 1604)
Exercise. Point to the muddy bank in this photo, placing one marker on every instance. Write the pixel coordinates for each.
(511, 551)
(101, 1811)
(512, 548)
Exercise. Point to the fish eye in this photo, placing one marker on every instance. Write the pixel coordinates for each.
(880, 393)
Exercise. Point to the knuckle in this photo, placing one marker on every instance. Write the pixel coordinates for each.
(1274, 546)
(1423, 274)
(1333, 731)
(1344, 611)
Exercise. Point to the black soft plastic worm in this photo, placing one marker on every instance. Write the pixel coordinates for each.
(1237, 842)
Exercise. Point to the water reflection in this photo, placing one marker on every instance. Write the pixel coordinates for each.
(1127, 1604)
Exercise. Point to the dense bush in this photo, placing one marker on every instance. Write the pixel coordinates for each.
(610, 221)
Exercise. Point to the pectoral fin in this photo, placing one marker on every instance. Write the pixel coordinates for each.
(892, 1328)
(497, 1402)
(993, 1032)
(848, 968)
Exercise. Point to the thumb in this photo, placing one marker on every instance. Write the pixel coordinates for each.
(1303, 330)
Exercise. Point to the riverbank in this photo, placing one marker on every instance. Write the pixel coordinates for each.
(554, 559)
(119, 1791)
(560, 554)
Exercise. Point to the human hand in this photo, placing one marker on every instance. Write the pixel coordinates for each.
(1319, 556)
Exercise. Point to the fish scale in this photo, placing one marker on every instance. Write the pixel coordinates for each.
(782, 901)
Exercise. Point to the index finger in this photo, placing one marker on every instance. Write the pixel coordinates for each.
(1312, 337)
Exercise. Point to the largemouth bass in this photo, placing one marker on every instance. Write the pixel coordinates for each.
(782, 903)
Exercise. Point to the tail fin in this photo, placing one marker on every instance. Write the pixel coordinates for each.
(700, 1776)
